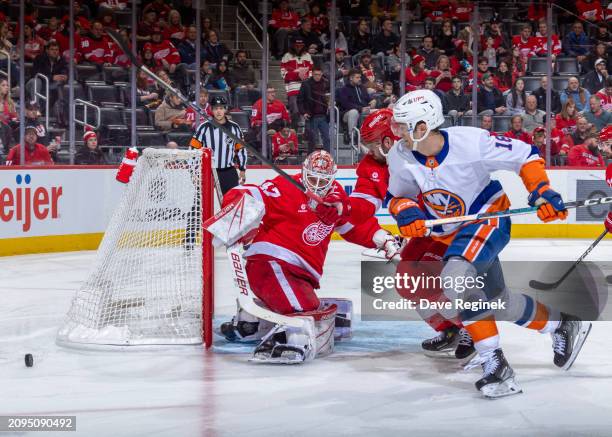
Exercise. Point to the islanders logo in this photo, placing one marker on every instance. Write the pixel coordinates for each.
(444, 203)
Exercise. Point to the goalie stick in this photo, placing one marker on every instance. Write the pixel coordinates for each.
(511, 212)
(124, 47)
(549, 286)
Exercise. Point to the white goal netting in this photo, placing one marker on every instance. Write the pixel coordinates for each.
(145, 286)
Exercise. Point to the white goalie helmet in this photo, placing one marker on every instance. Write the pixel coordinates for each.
(319, 172)
(416, 107)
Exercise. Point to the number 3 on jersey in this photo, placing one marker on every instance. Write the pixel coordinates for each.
(503, 142)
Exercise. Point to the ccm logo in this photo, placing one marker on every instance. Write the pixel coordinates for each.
(603, 200)
(21, 203)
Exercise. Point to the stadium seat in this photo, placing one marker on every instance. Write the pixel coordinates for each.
(115, 74)
(123, 18)
(531, 83)
(142, 119)
(104, 95)
(180, 138)
(79, 91)
(559, 83)
(415, 29)
(242, 118)
(113, 130)
(501, 123)
(567, 67)
(537, 66)
(508, 14)
(150, 139)
(86, 72)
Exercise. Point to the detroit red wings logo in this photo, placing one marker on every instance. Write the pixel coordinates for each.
(316, 232)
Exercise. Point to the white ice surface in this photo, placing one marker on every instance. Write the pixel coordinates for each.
(378, 384)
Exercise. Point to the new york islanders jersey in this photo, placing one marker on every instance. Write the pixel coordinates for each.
(457, 181)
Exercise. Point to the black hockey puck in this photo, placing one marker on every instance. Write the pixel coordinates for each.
(29, 360)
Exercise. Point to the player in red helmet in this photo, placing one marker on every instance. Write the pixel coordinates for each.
(367, 197)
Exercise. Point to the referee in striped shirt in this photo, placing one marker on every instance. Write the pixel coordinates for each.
(225, 156)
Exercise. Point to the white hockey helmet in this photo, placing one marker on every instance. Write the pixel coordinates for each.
(416, 107)
(319, 172)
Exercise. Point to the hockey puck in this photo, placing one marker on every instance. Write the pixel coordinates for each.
(29, 360)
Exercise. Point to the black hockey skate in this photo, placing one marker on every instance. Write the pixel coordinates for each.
(568, 339)
(498, 377)
(465, 347)
(236, 331)
(275, 350)
(442, 345)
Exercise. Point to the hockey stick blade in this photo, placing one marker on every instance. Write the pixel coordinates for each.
(114, 35)
(538, 285)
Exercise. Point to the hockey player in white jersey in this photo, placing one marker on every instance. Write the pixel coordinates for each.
(451, 169)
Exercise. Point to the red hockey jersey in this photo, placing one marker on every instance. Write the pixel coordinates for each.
(97, 51)
(606, 99)
(290, 71)
(542, 44)
(370, 189)
(165, 50)
(526, 48)
(580, 155)
(590, 11)
(279, 140)
(276, 110)
(288, 19)
(290, 230)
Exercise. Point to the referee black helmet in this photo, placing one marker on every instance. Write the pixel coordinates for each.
(218, 101)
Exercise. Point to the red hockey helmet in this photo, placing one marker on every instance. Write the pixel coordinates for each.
(319, 172)
(375, 128)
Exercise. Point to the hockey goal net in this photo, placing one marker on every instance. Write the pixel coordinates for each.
(152, 279)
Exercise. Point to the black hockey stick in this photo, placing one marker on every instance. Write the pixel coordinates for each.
(125, 48)
(549, 286)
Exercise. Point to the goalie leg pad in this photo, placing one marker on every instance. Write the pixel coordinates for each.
(343, 329)
(289, 345)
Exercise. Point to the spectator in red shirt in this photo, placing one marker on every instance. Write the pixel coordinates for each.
(371, 75)
(283, 21)
(443, 74)
(434, 11)
(501, 41)
(35, 153)
(164, 52)
(160, 8)
(416, 74)
(174, 31)
(605, 94)
(516, 130)
(586, 154)
(145, 27)
(296, 67)
(95, 48)
(34, 45)
(566, 119)
(526, 43)
(284, 143)
(107, 18)
(590, 10)
(320, 23)
(275, 113)
(503, 77)
(542, 41)
(461, 10)
(558, 138)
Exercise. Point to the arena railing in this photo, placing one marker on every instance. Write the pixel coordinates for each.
(45, 96)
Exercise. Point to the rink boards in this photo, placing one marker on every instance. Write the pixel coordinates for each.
(67, 208)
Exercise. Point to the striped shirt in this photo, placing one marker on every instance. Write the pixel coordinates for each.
(222, 146)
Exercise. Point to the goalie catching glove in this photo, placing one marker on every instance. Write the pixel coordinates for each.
(551, 206)
(409, 217)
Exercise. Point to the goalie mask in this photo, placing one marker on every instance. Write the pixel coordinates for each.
(375, 129)
(421, 106)
(319, 172)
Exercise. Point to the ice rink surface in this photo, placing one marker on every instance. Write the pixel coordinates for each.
(376, 385)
